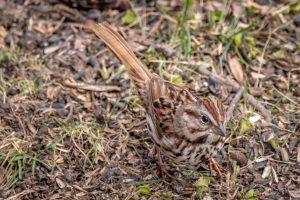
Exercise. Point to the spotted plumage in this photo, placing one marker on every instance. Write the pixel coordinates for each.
(185, 129)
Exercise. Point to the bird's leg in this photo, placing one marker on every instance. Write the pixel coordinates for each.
(163, 167)
(214, 165)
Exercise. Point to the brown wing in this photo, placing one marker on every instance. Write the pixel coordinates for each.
(164, 97)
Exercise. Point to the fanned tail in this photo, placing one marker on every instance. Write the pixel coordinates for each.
(137, 71)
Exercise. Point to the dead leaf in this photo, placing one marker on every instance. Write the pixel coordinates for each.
(236, 68)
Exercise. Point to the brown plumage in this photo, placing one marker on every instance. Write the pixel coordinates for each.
(184, 129)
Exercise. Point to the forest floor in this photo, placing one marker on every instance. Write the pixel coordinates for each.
(72, 126)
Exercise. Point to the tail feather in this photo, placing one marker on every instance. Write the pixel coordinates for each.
(137, 71)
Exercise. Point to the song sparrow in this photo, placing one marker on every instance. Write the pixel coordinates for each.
(184, 129)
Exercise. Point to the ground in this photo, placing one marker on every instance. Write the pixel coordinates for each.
(72, 126)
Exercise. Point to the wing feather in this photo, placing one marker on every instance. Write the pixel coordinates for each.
(164, 98)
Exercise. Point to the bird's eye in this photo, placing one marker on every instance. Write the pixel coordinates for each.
(204, 119)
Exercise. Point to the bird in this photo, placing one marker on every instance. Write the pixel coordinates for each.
(186, 130)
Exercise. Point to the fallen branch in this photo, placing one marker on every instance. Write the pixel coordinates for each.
(96, 88)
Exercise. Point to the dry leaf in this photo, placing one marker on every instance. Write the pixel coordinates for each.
(236, 68)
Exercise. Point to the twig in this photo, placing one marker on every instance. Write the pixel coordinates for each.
(68, 12)
(203, 64)
(233, 103)
(96, 88)
(19, 195)
(167, 51)
(283, 95)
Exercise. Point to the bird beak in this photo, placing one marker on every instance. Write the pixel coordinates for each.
(222, 129)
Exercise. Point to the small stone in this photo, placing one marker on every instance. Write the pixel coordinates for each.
(213, 85)
(58, 105)
(263, 2)
(280, 187)
(8, 39)
(93, 61)
(296, 20)
(95, 14)
(53, 39)
(99, 45)
(78, 75)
